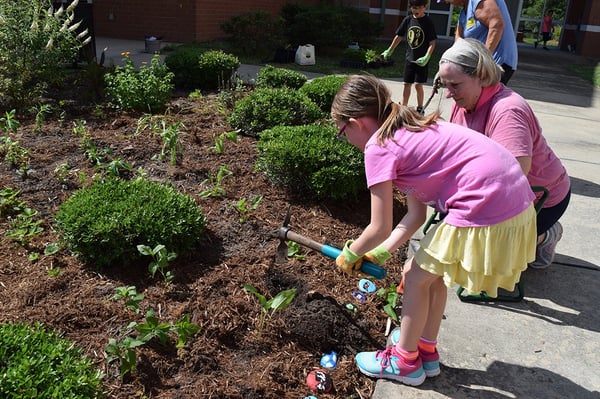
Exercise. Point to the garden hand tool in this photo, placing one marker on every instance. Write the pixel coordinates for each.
(284, 234)
(437, 84)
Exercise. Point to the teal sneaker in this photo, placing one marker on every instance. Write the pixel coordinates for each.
(390, 365)
(431, 361)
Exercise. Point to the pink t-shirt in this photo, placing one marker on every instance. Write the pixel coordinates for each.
(505, 117)
(456, 171)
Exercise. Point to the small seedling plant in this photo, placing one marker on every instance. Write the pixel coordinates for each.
(160, 260)
(279, 302)
(216, 183)
(294, 251)
(124, 350)
(246, 206)
(170, 135)
(389, 297)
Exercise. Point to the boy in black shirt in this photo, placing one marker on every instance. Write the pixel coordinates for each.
(420, 43)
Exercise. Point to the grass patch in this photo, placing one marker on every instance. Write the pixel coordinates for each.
(590, 73)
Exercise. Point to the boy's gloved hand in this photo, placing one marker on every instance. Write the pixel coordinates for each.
(387, 53)
(348, 261)
(423, 60)
(378, 255)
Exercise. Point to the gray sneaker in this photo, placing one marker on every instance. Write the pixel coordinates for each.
(544, 253)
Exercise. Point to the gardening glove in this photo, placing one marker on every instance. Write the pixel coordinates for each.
(378, 255)
(348, 261)
(387, 53)
(423, 60)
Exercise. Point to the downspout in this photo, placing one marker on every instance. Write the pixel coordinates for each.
(382, 12)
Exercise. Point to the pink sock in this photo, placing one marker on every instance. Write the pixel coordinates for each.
(409, 356)
(426, 345)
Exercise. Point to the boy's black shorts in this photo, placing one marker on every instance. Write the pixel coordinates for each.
(414, 73)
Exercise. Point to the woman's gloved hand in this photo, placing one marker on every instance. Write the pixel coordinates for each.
(348, 261)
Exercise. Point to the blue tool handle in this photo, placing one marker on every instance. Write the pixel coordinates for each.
(367, 267)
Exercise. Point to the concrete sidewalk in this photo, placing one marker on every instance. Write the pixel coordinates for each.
(548, 345)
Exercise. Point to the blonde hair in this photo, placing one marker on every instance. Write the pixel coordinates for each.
(474, 59)
(365, 95)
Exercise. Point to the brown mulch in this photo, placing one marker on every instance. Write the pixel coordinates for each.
(229, 357)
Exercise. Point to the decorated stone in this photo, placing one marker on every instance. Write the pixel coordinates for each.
(366, 286)
(329, 360)
(319, 381)
(359, 296)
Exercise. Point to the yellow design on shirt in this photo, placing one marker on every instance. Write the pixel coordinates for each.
(470, 23)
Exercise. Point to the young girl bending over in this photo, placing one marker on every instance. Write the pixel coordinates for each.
(484, 242)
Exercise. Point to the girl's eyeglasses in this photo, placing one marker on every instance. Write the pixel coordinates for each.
(341, 136)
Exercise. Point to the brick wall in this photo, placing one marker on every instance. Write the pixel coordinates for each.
(173, 20)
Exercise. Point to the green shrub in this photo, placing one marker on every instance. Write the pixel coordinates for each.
(271, 76)
(322, 90)
(105, 222)
(216, 69)
(268, 107)
(310, 162)
(36, 363)
(35, 45)
(326, 25)
(148, 89)
(184, 62)
(255, 32)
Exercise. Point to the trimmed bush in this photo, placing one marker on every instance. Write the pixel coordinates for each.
(267, 107)
(216, 69)
(271, 76)
(329, 26)
(196, 68)
(105, 222)
(36, 363)
(184, 62)
(310, 162)
(255, 32)
(322, 90)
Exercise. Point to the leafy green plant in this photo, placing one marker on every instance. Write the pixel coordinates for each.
(153, 328)
(184, 329)
(117, 167)
(40, 363)
(9, 203)
(310, 162)
(389, 297)
(37, 41)
(271, 76)
(170, 135)
(25, 226)
(147, 90)
(124, 352)
(131, 297)
(9, 123)
(103, 223)
(216, 188)
(294, 251)
(246, 206)
(255, 32)
(322, 90)
(265, 108)
(40, 116)
(184, 62)
(217, 69)
(278, 303)
(160, 260)
(61, 171)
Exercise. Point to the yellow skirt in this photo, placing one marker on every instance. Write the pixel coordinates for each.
(480, 258)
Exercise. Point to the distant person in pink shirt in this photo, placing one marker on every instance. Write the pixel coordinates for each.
(476, 182)
(471, 78)
(547, 28)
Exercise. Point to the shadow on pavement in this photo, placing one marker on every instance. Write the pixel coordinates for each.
(504, 380)
(565, 294)
(585, 187)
